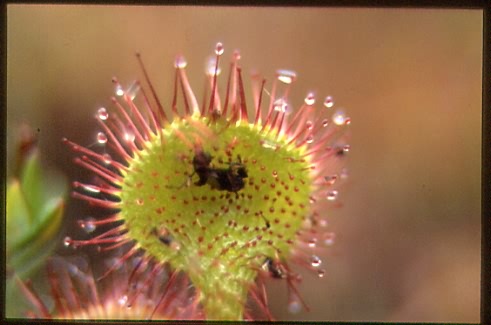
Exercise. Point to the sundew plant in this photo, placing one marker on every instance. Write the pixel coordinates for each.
(227, 192)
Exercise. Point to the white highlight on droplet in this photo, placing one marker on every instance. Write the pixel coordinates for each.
(102, 114)
(331, 179)
(329, 102)
(88, 225)
(315, 261)
(119, 90)
(309, 124)
(310, 99)
(123, 300)
(332, 195)
(294, 306)
(101, 138)
(129, 137)
(210, 67)
(286, 76)
(280, 105)
(309, 139)
(236, 55)
(67, 241)
(312, 242)
(180, 62)
(344, 173)
(91, 188)
(339, 118)
(219, 48)
(107, 158)
(329, 239)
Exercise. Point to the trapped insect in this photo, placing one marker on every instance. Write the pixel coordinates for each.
(166, 238)
(274, 268)
(229, 179)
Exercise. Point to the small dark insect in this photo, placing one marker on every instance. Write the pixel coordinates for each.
(279, 270)
(229, 179)
(164, 236)
(268, 225)
(341, 151)
(275, 269)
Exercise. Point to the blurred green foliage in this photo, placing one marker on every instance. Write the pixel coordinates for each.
(34, 210)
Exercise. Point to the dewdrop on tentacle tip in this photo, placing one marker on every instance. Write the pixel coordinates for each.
(228, 194)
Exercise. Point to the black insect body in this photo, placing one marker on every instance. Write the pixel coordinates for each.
(279, 270)
(164, 236)
(275, 269)
(229, 179)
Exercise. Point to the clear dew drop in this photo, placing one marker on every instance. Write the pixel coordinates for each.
(67, 241)
(339, 118)
(309, 99)
(123, 300)
(219, 49)
(309, 125)
(321, 273)
(315, 261)
(332, 195)
(346, 148)
(309, 139)
(325, 122)
(73, 270)
(280, 105)
(312, 242)
(294, 306)
(210, 67)
(274, 173)
(331, 179)
(139, 201)
(180, 62)
(107, 158)
(102, 114)
(236, 55)
(118, 90)
(101, 138)
(329, 239)
(88, 225)
(133, 90)
(329, 102)
(91, 188)
(286, 76)
(129, 137)
(344, 173)
(322, 223)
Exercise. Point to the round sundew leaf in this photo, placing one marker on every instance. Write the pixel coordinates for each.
(220, 196)
(211, 232)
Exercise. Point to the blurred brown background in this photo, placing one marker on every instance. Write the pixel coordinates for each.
(408, 236)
